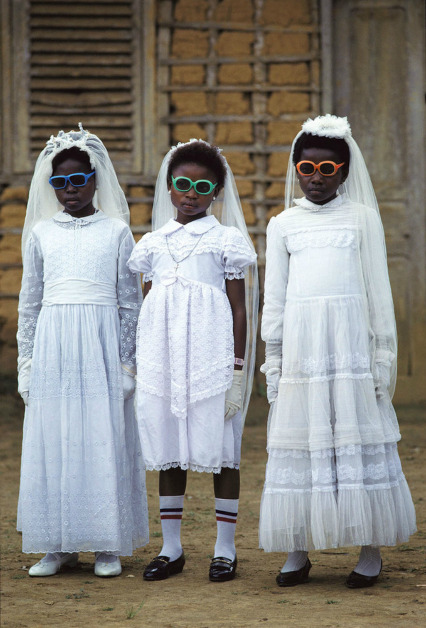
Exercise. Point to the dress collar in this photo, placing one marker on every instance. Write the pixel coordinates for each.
(196, 227)
(336, 202)
(62, 216)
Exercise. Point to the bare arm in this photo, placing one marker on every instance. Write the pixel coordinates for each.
(147, 287)
(236, 294)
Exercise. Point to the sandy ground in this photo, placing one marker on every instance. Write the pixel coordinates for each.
(78, 598)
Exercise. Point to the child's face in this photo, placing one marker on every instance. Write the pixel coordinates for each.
(318, 188)
(76, 200)
(190, 205)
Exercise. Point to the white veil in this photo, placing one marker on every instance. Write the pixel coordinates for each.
(372, 250)
(227, 209)
(42, 202)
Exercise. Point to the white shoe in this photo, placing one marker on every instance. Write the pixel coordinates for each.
(107, 565)
(52, 563)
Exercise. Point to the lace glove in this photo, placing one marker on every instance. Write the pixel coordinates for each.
(272, 369)
(129, 383)
(24, 372)
(233, 396)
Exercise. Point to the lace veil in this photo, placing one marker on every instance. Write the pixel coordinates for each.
(227, 209)
(372, 249)
(42, 202)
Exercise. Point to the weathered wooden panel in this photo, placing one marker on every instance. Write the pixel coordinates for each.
(378, 56)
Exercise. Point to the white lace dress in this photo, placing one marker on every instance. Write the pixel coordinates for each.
(333, 476)
(82, 473)
(185, 347)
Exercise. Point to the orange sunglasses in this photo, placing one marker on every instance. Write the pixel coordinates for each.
(326, 168)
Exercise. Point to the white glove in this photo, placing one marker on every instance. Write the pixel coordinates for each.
(381, 378)
(273, 377)
(233, 396)
(272, 369)
(129, 382)
(24, 372)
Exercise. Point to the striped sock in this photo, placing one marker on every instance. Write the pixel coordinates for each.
(226, 519)
(171, 508)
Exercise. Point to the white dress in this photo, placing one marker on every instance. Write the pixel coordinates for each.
(333, 476)
(185, 346)
(82, 473)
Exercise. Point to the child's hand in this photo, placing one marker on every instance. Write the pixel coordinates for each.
(233, 396)
(272, 381)
(129, 382)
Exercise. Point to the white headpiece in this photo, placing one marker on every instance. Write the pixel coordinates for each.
(359, 189)
(42, 201)
(227, 209)
(358, 184)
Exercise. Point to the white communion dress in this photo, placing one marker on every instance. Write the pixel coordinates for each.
(333, 476)
(185, 347)
(82, 473)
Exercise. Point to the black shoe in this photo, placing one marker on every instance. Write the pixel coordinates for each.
(358, 581)
(292, 578)
(222, 569)
(162, 567)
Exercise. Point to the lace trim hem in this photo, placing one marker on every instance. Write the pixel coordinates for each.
(192, 467)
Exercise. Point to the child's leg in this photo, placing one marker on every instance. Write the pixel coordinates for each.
(172, 490)
(370, 562)
(295, 561)
(227, 491)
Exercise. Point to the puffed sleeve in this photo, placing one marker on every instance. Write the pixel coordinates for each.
(129, 296)
(30, 298)
(237, 254)
(140, 260)
(276, 277)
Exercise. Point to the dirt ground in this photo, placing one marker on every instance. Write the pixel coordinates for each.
(78, 598)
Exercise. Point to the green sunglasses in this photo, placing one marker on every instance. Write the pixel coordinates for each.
(202, 186)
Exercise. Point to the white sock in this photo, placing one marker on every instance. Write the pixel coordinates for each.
(226, 520)
(295, 561)
(106, 557)
(369, 562)
(171, 508)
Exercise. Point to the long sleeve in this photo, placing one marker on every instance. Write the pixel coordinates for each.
(276, 278)
(30, 299)
(379, 299)
(129, 295)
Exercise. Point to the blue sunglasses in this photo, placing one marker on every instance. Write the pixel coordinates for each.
(77, 180)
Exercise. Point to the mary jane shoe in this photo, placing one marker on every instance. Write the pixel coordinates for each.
(162, 567)
(222, 569)
(108, 569)
(54, 564)
(293, 578)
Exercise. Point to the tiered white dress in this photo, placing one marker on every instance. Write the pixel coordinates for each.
(82, 473)
(333, 476)
(185, 348)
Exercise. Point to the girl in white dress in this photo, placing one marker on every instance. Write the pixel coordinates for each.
(333, 476)
(82, 476)
(192, 346)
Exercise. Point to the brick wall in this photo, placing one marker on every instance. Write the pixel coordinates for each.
(241, 74)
